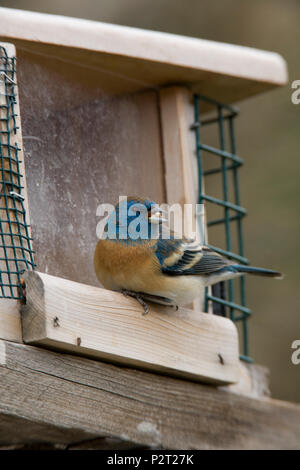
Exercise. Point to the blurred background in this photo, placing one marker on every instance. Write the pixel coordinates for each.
(267, 138)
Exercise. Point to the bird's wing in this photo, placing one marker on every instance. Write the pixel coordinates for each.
(186, 257)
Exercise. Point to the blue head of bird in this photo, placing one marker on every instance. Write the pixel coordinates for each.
(135, 219)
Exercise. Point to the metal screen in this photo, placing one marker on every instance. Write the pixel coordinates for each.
(228, 298)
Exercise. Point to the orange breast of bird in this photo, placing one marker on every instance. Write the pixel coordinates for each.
(131, 267)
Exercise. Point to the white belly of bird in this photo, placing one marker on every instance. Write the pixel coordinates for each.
(182, 290)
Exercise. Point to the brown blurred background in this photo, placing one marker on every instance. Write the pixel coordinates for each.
(268, 139)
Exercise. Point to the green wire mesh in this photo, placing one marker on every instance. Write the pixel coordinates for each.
(225, 298)
(16, 254)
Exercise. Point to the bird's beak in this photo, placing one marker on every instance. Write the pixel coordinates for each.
(157, 217)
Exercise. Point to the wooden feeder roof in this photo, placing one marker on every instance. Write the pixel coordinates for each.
(130, 59)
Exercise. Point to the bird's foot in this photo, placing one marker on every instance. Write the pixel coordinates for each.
(135, 295)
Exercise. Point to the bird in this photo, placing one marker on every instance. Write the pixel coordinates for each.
(148, 266)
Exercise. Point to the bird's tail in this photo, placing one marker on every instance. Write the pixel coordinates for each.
(257, 271)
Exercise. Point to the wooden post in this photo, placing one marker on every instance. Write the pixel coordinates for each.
(179, 149)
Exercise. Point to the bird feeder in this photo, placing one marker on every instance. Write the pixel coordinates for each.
(93, 111)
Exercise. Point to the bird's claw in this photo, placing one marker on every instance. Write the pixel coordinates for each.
(135, 295)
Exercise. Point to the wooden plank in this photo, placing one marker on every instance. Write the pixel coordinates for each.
(130, 59)
(87, 320)
(179, 148)
(122, 135)
(10, 321)
(15, 429)
(179, 151)
(106, 443)
(179, 158)
(253, 381)
(101, 443)
(68, 393)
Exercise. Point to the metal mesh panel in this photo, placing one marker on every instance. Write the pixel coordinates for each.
(16, 254)
(224, 295)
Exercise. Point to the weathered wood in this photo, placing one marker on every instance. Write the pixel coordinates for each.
(91, 321)
(15, 429)
(105, 443)
(179, 149)
(253, 381)
(118, 136)
(181, 175)
(10, 320)
(66, 393)
(102, 443)
(125, 59)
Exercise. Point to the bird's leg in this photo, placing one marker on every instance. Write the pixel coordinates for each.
(138, 298)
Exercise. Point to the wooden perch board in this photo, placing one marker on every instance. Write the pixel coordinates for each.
(50, 397)
(69, 316)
